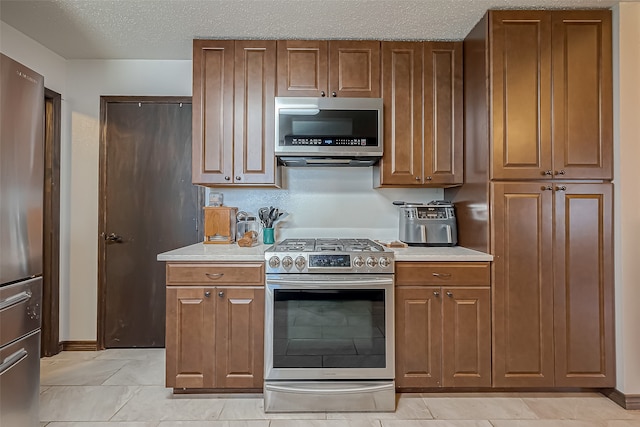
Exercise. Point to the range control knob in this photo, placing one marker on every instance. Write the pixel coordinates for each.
(287, 262)
(300, 262)
(384, 262)
(358, 262)
(371, 262)
(274, 262)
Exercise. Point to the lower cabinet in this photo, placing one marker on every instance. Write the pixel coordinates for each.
(553, 285)
(443, 325)
(215, 333)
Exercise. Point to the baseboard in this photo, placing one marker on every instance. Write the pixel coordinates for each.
(79, 345)
(627, 401)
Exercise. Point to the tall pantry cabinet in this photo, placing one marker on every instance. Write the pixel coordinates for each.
(538, 192)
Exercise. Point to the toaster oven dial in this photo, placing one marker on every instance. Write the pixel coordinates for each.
(384, 262)
(287, 262)
(371, 262)
(274, 262)
(300, 262)
(358, 262)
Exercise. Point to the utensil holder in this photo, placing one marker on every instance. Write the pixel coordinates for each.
(268, 236)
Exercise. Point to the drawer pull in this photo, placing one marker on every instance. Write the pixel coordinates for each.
(15, 299)
(442, 275)
(214, 276)
(449, 294)
(12, 360)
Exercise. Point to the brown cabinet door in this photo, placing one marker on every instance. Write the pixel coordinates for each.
(523, 288)
(212, 112)
(239, 337)
(418, 337)
(255, 85)
(190, 337)
(520, 61)
(443, 128)
(354, 68)
(402, 95)
(583, 267)
(302, 68)
(466, 337)
(582, 94)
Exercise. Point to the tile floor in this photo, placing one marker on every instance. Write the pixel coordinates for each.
(125, 388)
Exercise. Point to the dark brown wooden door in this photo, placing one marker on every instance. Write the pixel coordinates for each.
(302, 67)
(254, 127)
(523, 284)
(354, 68)
(402, 95)
(239, 337)
(466, 337)
(583, 269)
(148, 206)
(190, 337)
(213, 62)
(443, 130)
(582, 94)
(418, 337)
(520, 61)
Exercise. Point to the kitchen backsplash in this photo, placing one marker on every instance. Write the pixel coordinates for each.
(330, 202)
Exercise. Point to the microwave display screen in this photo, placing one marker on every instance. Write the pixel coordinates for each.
(328, 127)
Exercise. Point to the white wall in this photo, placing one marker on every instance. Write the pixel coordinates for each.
(627, 197)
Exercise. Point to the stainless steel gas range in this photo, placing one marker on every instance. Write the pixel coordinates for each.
(329, 341)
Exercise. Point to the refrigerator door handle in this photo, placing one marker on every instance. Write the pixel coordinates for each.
(15, 299)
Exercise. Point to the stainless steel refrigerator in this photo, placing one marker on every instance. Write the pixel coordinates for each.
(21, 223)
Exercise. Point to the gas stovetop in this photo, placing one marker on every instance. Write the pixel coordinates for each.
(328, 255)
(328, 245)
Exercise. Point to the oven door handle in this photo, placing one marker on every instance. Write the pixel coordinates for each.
(323, 283)
(311, 389)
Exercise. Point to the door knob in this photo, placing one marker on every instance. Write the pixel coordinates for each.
(113, 237)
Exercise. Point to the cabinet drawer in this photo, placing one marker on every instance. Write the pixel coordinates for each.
(215, 274)
(442, 273)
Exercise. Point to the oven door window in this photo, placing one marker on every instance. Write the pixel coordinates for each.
(329, 328)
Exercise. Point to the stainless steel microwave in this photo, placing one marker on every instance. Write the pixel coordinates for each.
(328, 131)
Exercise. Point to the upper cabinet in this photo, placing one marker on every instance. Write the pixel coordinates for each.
(551, 94)
(233, 108)
(423, 133)
(337, 68)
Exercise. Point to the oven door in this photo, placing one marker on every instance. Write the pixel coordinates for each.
(329, 326)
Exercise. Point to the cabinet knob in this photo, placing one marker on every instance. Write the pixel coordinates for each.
(429, 178)
(238, 178)
(547, 188)
(323, 94)
(227, 178)
(450, 294)
(220, 294)
(548, 173)
(417, 178)
(334, 94)
(561, 188)
(436, 293)
(207, 294)
(560, 172)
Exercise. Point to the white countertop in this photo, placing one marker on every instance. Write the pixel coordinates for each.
(233, 252)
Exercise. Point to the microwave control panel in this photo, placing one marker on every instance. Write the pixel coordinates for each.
(329, 141)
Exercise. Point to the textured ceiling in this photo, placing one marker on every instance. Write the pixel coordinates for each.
(164, 29)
